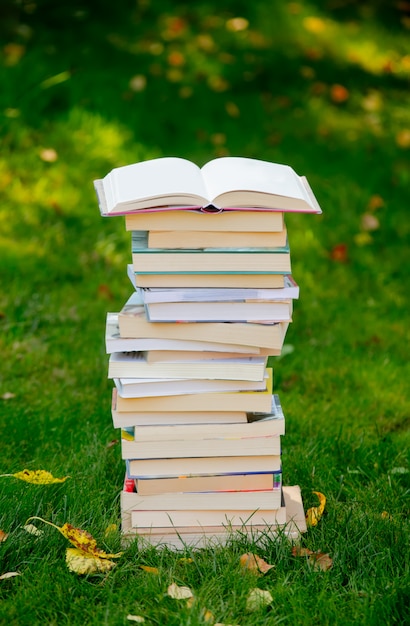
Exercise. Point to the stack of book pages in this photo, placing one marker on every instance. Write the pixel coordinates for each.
(191, 350)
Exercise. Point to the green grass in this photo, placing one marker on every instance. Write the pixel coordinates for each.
(104, 86)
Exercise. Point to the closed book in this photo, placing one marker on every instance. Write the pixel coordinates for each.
(197, 294)
(256, 425)
(185, 466)
(236, 311)
(153, 345)
(207, 500)
(132, 322)
(200, 518)
(121, 419)
(208, 260)
(245, 446)
(222, 482)
(241, 281)
(216, 401)
(215, 239)
(135, 365)
(146, 387)
(226, 222)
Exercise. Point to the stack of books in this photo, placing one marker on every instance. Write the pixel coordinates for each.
(211, 300)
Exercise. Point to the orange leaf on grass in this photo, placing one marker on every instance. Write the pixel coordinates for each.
(320, 560)
(3, 535)
(254, 563)
(314, 514)
(339, 253)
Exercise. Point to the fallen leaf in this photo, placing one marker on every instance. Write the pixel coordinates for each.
(185, 560)
(237, 24)
(369, 222)
(338, 93)
(8, 395)
(339, 253)
(149, 569)
(111, 528)
(49, 155)
(258, 599)
(33, 530)
(3, 535)
(36, 477)
(138, 83)
(375, 202)
(179, 593)
(363, 239)
(9, 575)
(319, 560)
(136, 618)
(207, 615)
(80, 562)
(386, 515)
(254, 563)
(403, 138)
(314, 514)
(314, 24)
(81, 539)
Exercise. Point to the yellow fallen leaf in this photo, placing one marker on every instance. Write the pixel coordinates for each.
(254, 563)
(151, 570)
(9, 575)
(111, 528)
(208, 616)
(81, 539)
(314, 514)
(37, 477)
(258, 599)
(185, 560)
(80, 562)
(179, 593)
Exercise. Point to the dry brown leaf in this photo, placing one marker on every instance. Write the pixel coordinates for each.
(9, 575)
(314, 514)
(179, 593)
(319, 560)
(254, 563)
(81, 563)
(3, 535)
(258, 599)
(36, 477)
(149, 569)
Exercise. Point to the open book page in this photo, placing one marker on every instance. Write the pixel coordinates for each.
(227, 174)
(156, 178)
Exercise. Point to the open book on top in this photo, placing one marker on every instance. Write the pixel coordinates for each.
(222, 183)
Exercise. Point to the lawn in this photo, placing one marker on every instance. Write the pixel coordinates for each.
(321, 86)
